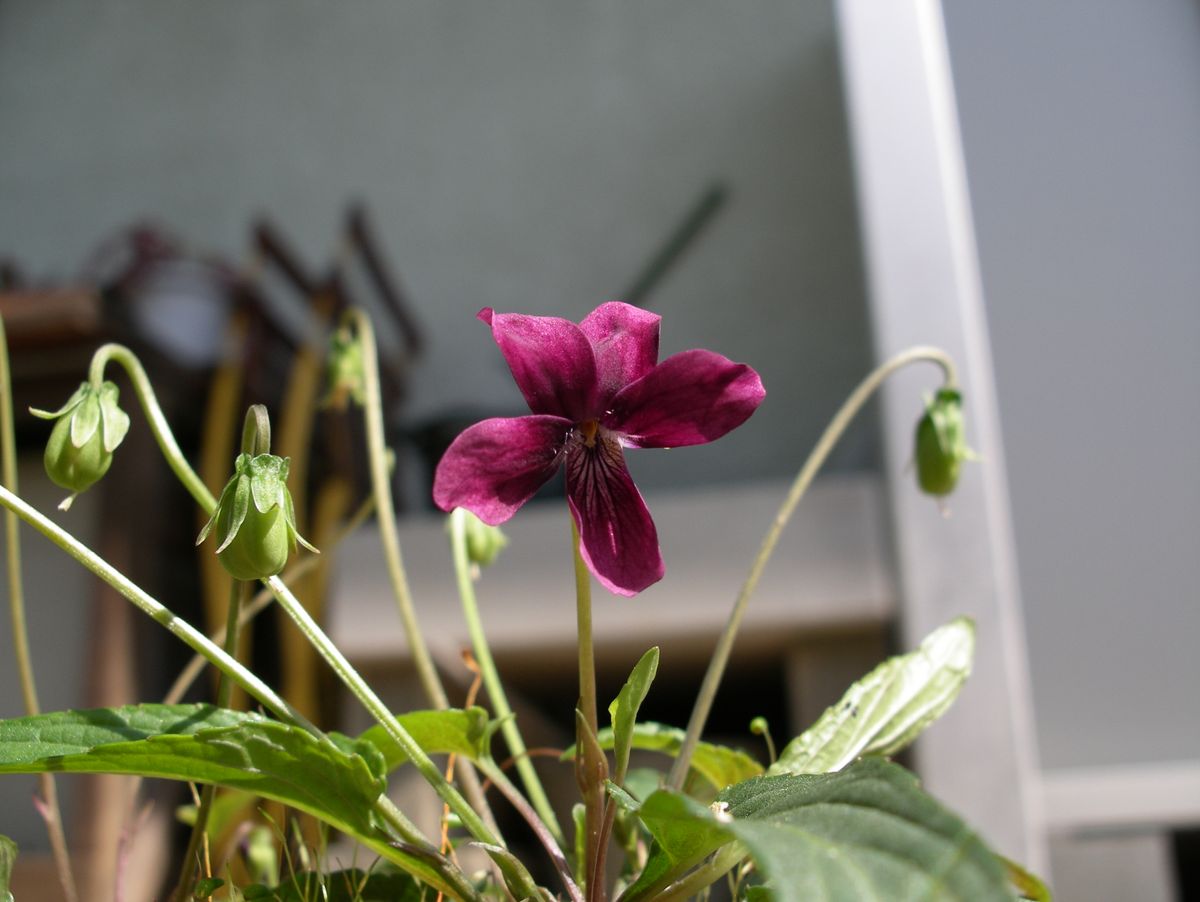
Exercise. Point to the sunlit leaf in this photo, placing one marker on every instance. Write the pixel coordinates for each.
(624, 709)
(453, 731)
(889, 707)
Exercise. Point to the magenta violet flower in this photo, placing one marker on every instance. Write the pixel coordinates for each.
(593, 389)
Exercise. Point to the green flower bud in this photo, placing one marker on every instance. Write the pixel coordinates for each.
(941, 444)
(255, 521)
(344, 370)
(89, 428)
(484, 543)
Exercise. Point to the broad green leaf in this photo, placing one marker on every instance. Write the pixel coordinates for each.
(866, 832)
(889, 707)
(624, 709)
(8, 855)
(453, 731)
(720, 765)
(201, 744)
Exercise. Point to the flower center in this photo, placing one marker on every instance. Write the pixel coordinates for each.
(588, 429)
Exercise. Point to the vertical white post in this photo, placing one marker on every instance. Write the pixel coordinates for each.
(924, 287)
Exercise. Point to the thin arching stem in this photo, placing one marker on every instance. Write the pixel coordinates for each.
(16, 606)
(491, 677)
(845, 414)
(381, 489)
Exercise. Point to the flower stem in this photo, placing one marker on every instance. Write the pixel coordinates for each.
(589, 768)
(845, 414)
(491, 678)
(154, 415)
(16, 607)
(381, 488)
(237, 595)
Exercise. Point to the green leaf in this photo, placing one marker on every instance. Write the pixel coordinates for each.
(889, 707)
(351, 885)
(8, 855)
(202, 744)
(207, 886)
(866, 832)
(455, 731)
(624, 709)
(720, 765)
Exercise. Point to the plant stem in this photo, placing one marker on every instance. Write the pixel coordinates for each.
(705, 875)
(16, 606)
(845, 414)
(381, 486)
(538, 825)
(381, 489)
(240, 675)
(491, 678)
(237, 593)
(589, 769)
(154, 415)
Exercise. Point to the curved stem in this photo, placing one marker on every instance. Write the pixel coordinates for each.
(705, 875)
(845, 414)
(381, 486)
(491, 678)
(154, 415)
(16, 607)
(550, 843)
(381, 489)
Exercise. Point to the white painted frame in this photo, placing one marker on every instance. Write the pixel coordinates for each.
(925, 288)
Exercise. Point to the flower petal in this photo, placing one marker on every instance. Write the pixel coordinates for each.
(689, 399)
(618, 540)
(625, 341)
(551, 361)
(495, 466)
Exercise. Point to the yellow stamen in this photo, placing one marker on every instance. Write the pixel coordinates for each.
(588, 429)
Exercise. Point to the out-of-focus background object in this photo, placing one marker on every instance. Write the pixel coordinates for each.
(542, 158)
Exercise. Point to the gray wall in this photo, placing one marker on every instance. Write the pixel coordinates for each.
(1081, 124)
(526, 156)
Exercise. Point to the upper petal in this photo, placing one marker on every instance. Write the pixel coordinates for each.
(625, 341)
(618, 541)
(550, 359)
(495, 466)
(690, 398)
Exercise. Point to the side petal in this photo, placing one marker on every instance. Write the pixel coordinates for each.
(618, 541)
(689, 399)
(551, 361)
(625, 341)
(495, 466)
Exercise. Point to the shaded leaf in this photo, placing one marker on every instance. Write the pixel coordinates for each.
(866, 832)
(351, 885)
(624, 709)
(889, 707)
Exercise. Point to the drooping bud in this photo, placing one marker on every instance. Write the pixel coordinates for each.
(89, 428)
(941, 444)
(344, 370)
(254, 519)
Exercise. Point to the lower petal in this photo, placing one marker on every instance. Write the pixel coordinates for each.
(618, 540)
(495, 466)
